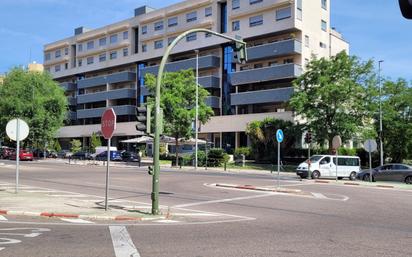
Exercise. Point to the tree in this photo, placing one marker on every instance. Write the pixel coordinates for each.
(397, 120)
(76, 145)
(335, 97)
(35, 98)
(95, 141)
(178, 99)
(56, 146)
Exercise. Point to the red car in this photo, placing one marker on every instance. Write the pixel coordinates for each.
(23, 155)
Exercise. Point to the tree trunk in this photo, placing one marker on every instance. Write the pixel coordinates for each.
(177, 151)
(331, 150)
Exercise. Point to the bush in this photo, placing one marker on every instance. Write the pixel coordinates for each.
(246, 151)
(216, 157)
(347, 151)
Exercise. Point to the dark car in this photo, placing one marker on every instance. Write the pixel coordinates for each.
(64, 154)
(81, 156)
(130, 157)
(6, 152)
(114, 156)
(388, 172)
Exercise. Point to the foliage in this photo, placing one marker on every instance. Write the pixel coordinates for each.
(347, 151)
(216, 157)
(56, 146)
(246, 151)
(397, 120)
(76, 145)
(336, 97)
(263, 137)
(95, 141)
(178, 99)
(35, 98)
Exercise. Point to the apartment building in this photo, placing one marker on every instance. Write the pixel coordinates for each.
(105, 67)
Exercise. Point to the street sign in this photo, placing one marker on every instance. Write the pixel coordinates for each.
(11, 129)
(336, 142)
(370, 145)
(279, 136)
(108, 123)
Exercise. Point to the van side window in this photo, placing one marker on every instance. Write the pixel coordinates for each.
(325, 160)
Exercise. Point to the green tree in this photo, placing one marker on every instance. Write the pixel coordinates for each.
(397, 120)
(56, 146)
(35, 98)
(178, 99)
(336, 97)
(95, 141)
(76, 145)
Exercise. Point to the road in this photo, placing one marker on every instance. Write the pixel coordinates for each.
(335, 221)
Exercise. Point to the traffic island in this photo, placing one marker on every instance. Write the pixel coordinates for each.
(264, 189)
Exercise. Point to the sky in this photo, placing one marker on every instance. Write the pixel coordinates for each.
(375, 29)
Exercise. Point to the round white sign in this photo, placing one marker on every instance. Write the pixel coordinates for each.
(370, 145)
(336, 142)
(13, 126)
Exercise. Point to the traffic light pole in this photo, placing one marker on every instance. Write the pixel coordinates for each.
(240, 44)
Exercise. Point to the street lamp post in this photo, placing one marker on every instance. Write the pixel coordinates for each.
(197, 106)
(242, 56)
(380, 113)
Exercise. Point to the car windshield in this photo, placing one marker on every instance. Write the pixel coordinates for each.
(315, 158)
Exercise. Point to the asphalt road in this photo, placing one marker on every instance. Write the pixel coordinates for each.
(336, 221)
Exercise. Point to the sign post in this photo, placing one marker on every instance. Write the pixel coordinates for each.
(370, 146)
(108, 126)
(17, 130)
(336, 143)
(279, 138)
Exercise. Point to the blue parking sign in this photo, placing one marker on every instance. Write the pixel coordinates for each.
(279, 136)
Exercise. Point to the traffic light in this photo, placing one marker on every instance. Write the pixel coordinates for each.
(143, 119)
(406, 8)
(308, 137)
(240, 52)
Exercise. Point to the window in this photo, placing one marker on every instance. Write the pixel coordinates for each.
(323, 25)
(171, 22)
(288, 60)
(80, 47)
(158, 25)
(273, 63)
(80, 62)
(57, 54)
(346, 161)
(125, 52)
(235, 25)
(322, 45)
(257, 66)
(170, 40)
(90, 60)
(255, 1)
(90, 45)
(299, 9)
(102, 57)
(125, 35)
(235, 4)
(283, 13)
(102, 41)
(208, 11)
(144, 30)
(191, 37)
(66, 51)
(192, 16)
(113, 39)
(306, 40)
(158, 44)
(325, 160)
(324, 4)
(113, 55)
(144, 48)
(57, 68)
(255, 21)
(47, 56)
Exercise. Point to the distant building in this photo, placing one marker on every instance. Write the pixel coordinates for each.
(35, 67)
(1, 79)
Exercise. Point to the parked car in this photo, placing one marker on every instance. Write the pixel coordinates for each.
(114, 156)
(130, 157)
(64, 154)
(5, 152)
(325, 166)
(24, 155)
(388, 172)
(82, 155)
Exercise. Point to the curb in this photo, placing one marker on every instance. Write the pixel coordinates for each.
(354, 184)
(76, 216)
(250, 187)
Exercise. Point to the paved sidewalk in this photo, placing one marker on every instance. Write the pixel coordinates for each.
(379, 184)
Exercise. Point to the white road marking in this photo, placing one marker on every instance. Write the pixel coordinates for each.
(195, 214)
(70, 196)
(81, 221)
(166, 221)
(319, 195)
(1, 248)
(2, 218)
(224, 200)
(8, 241)
(122, 243)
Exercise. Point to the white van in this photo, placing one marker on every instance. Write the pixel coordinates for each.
(325, 166)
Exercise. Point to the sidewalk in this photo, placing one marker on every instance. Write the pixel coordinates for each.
(379, 184)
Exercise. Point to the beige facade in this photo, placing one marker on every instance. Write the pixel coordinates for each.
(35, 67)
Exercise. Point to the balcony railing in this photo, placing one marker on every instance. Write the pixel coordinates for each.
(125, 76)
(106, 95)
(262, 96)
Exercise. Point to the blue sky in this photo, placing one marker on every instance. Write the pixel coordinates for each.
(375, 28)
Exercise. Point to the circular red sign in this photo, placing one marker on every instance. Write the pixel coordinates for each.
(108, 123)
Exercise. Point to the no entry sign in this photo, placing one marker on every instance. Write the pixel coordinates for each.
(108, 123)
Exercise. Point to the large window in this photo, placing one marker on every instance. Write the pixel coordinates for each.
(102, 41)
(144, 48)
(90, 60)
(47, 57)
(158, 44)
(256, 20)
(299, 9)
(113, 39)
(235, 4)
(255, 1)
(208, 11)
(235, 25)
(57, 54)
(191, 16)
(57, 68)
(324, 25)
(171, 22)
(80, 47)
(158, 26)
(191, 37)
(283, 13)
(324, 4)
(113, 55)
(102, 57)
(144, 30)
(125, 35)
(306, 40)
(90, 45)
(125, 52)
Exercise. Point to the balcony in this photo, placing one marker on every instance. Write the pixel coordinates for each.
(71, 115)
(68, 86)
(102, 96)
(205, 62)
(276, 49)
(125, 76)
(213, 101)
(97, 112)
(285, 71)
(263, 96)
(209, 82)
(71, 101)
